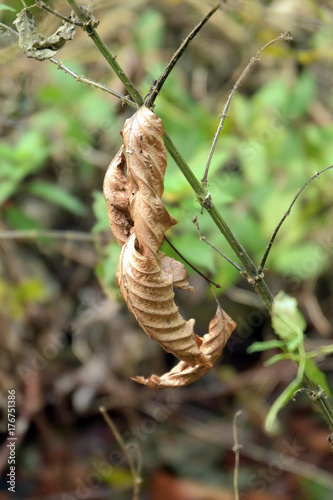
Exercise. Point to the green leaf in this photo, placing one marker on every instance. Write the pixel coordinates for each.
(303, 94)
(255, 171)
(292, 344)
(299, 260)
(18, 219)
(276, 91)
(30, 153)
(279, 403)
(287, 321)
(316, 375)
(324, 350)
(275, 359)
(7, 189)
(264, 346)
(6, 7)
(30, 290)
(100, 212)
(106, 268)
(149, 31)
(25, 157)
(96, 113)
(57, 195)
(286, 395)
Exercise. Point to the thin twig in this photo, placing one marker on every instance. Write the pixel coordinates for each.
(158, 84)
(236, 447)
(276, 230)
(216, 299)
(215, 434)
(189, 264)
(80, 78)
(319, 397)
(284, 36)
(33, 234)
(91, 83)
(251, 270)
(8, 28)
(134, 470)
(110, 59)
(42, 5)
(203, 238)
(200, 190)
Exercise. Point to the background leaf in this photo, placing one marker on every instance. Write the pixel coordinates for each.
(315, 374)
(57, 195)
(264, 346)
(6, 7)
(279, 403)
(287, 321)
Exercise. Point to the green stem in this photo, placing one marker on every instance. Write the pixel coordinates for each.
(156, 88)
(255, 277)
(319, 397)
(205, 200)
(32, 234)
(110, 59)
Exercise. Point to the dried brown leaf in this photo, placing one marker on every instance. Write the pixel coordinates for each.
(146, 163)
(211, 344)
(145, 276)
(35, 44)
(116, 197)
(146, 285)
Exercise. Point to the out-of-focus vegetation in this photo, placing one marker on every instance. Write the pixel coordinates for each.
(65, 346)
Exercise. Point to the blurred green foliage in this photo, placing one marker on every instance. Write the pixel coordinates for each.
(269, 147)
(289, 325)
(16, 298)
(53, 159)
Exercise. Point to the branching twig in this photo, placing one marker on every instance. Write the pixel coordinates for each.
(214, 434)
(236, 447)
(158, 84)
(203, 238)
(285, 36)
(81, 78)
(42, 5)
(189, 264)
(319, 397)
(34, 234)
(91, 83)
(250, 269)
(276, 230)
(8, 28)
(201, 192)
(135, 470)
(110, 59)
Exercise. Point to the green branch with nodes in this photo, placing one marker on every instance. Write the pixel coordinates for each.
(285, 36)
(253, 273)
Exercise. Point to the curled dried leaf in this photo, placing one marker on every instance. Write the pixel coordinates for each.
(146, 163)
(211, 344)
(36, 45)
(146, 285)
(116, 197)
(145, 276)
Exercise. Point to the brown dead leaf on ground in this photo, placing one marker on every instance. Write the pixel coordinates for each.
(165, 486)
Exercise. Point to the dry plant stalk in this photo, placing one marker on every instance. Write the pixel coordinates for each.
(146, 276)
